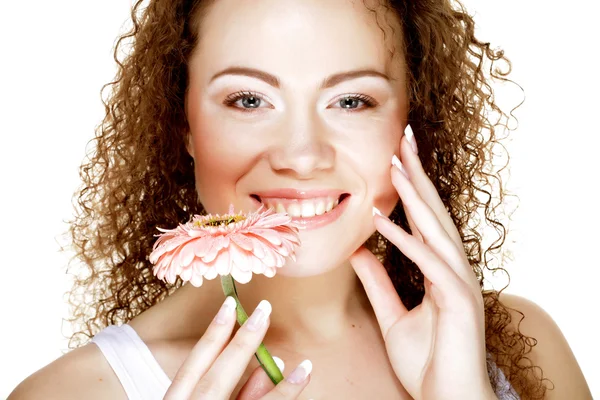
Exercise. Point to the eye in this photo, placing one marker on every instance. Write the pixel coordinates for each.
(251, 101)
(350, 101)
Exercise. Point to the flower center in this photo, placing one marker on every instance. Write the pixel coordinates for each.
(220, 221)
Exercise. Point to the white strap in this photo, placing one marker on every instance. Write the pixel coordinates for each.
(138, 371)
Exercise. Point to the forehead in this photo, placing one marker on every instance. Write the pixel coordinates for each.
(314, 37)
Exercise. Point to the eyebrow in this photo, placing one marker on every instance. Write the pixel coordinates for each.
(272, 80)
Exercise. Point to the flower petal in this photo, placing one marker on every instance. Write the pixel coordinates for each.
(273, 220)
(164, 261)
(240, 258)
(241, 276)
(187, 253)
(222, 264)
(212, 252)
(202, 245)
(268, 234)
(196, 280)
(223, 241)
(211, 274)
(242, 241)
(199, 267)
(259, 242)
(257, 266)
(171, 276)
(258, 248)
(172, 243)
(186, 273)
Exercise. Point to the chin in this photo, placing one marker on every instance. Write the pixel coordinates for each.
(321, 254)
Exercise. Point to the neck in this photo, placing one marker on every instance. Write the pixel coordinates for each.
(320, 307)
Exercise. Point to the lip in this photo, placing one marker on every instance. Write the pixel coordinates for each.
(316, 221)
(289, 193)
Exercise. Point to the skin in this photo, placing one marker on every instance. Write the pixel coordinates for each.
(327, 302)
(300, 138)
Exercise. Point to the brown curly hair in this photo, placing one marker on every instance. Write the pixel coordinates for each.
(140, 176)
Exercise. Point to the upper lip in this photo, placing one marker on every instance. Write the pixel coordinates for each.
(290, 193)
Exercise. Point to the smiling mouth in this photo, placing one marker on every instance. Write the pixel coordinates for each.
(302, 208)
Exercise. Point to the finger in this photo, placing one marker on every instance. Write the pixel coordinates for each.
(443, 278)
(293, 384)
(226, 372)
(258, 383)
(204, 353)
(430, 227)
(427, 189)
(380, 290)
(413, 227)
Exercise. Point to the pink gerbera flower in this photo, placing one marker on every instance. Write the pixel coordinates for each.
(230, 244)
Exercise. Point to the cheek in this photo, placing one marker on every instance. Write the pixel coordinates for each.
(380, 190)
(383, 194)
(219, 162)
(386, 197)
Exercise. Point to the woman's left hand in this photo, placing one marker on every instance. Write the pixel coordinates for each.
(437, 349)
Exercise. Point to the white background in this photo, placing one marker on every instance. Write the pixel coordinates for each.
(57, 55)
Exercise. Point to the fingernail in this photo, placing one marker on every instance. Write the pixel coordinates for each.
(279, 362)
(411, 139)
(225, 312)
(259, 316)
(300, 373)
(396, 162)
(377, 212)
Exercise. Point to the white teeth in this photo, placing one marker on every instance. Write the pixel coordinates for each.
(280, 208)
(308, 209)
(320, 208)
(304, 208)
(294, 210)
(329, 204)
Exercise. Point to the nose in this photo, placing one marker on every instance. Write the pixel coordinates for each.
(303, 148)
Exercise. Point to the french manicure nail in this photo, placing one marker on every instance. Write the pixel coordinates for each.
(377, 212)
(300, 373)
(279, 362)
(225, 312)
(259, 316)
(396, 162)
(411, 139)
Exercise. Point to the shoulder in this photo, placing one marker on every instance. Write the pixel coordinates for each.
(552, 352)
(81, 371)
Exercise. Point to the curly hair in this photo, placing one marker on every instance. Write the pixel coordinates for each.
(139, 175)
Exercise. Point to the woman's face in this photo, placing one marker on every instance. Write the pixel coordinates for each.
(279, 115)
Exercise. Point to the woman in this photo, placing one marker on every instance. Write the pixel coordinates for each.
(380, 107)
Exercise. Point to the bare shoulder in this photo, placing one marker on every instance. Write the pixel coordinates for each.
(552, 352)
(81, 373)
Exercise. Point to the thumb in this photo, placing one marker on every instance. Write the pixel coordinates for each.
(259, 383)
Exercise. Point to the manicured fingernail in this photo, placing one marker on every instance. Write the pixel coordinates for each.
(225, 313)
(259, 316)
(411, 139)
(377, 212)
(300, 373)
(396, 162)
(279, 362)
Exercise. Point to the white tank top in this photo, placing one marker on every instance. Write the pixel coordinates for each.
(143, 378)
(140, 374)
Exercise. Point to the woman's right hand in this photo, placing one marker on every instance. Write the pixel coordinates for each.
(214, 367)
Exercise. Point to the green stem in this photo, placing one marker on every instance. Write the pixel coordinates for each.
(262, 354)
